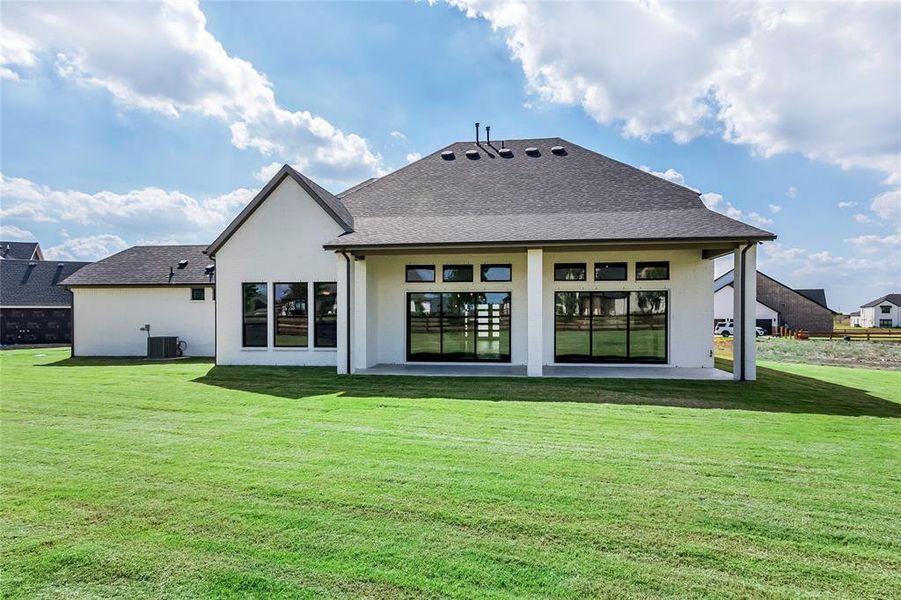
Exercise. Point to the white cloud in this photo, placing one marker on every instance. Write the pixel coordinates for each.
(758, 219)
(93, 247)
(398, 135)
(147, 211)
(888, 206)
(712, 200)
(779, 77)
(873, 243)
(160, 57)
(847, 204)
(671, 175)
(792, 192)
(413, 156)
(775, 208)
(11, 232)
(861, 218)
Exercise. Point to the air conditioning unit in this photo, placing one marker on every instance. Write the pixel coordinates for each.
(162, 346)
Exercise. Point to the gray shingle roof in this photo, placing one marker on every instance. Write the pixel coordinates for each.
(818, 295)
(20, 250)
(578, 196)
(893, 298)
(147, 265)
(35, 283)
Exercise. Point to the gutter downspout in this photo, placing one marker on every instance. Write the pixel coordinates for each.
(744, 342)
(347, 302)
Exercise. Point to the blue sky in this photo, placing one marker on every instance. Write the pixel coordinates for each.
(159, 130)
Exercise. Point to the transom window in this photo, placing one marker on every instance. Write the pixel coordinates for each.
(420, 273)
(496, 273)
(645, 271)
(569, 272)
(256, 304)
(610, 271)
(457, 273)
(198, 293)
(291, 317)
(610, 327)
(325, 326)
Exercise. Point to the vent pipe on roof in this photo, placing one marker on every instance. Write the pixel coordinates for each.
(477, 133)
(488, 134)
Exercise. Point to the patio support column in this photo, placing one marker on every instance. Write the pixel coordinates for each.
(744, 348)
(358, 328)
(535, 301)
(343, 317)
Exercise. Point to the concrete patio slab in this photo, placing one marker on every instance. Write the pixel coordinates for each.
(589, 371)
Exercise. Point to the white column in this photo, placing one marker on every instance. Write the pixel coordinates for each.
(343, 291)
(358, 356)
(535, 322)
(744, 347)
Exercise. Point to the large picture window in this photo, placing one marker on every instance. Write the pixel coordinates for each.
(325, 327)
(610, 327)
(256, 304)
(458, 326)
(291, 318)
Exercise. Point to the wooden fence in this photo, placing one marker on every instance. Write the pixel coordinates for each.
(883, 334)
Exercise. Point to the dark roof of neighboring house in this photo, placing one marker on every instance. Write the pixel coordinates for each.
(148, 265)
(576, 196)
(818, 295)
(20, 250)
(329, 203)
(35, 283)
(814, 295)
(893, 298)
(856, 313)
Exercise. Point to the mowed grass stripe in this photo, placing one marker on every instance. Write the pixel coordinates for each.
(177, 479)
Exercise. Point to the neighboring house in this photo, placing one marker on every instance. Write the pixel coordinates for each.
(882, 312)
(170, 288)
(854, 319)
(777, 305)
(21, 251)
(533, 253)
(34, 309)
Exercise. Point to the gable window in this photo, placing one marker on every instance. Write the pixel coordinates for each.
(885, 309)
(420, 273)
(610, 271)
(291, 319)
(496, 273)
(569, 272)
(325, 326)
(457, 273)
(652, 270)
(256, 303)
(198, 294)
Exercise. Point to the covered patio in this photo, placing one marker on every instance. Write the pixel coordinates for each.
(585, 371)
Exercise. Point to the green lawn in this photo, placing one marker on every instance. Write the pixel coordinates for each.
(140, 479)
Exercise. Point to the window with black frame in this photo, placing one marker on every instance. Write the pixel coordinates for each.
(496, 273)
(198, 293)
(606, 327)
(610, 271)
(457, 273)
(569, 271)
(458, 326)
(325, 325)
(652, 271)
(255, 315)
(291, 317)
(420, 274)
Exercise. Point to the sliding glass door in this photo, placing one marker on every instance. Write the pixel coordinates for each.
(458, 326)
(604, 327)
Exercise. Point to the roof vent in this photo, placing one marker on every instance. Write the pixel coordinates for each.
(533, 151)
(472, 154)
(506, 152)
(209, 268)
(182, 264)
(559, 150)
(60, 265)
(448, 155)
(32, 264)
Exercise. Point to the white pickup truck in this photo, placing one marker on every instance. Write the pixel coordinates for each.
(727, 328)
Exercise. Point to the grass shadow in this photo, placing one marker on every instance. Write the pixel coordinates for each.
(125, 361)
(774, 391)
